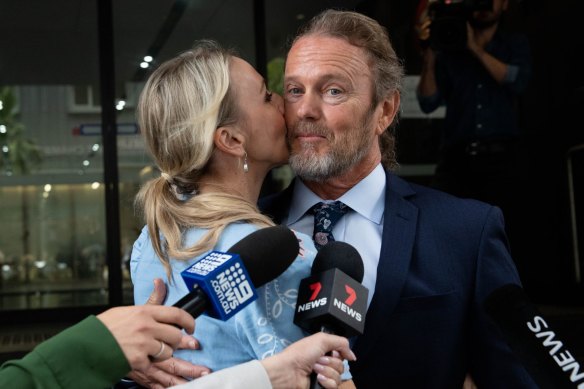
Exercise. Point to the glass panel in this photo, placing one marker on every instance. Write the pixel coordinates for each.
(81, 97)
(52, 235)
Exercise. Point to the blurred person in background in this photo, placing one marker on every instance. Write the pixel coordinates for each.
(478, 73)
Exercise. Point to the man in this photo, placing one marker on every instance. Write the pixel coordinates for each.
(430, 259)
(479, 81)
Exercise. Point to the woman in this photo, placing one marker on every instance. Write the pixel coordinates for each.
(215, 132)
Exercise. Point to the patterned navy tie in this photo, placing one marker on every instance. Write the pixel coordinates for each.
(325, 217)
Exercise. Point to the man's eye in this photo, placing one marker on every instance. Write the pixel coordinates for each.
(294, 91)
(334, 91)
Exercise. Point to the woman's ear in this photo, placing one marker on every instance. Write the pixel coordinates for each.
(229, 140)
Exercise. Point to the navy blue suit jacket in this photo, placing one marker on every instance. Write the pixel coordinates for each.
(441, 256)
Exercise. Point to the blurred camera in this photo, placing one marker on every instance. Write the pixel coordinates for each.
(449, 17)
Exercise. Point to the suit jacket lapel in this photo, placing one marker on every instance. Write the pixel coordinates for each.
(399, 229)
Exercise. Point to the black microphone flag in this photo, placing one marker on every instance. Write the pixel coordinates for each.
(332, 299)
(543, 354)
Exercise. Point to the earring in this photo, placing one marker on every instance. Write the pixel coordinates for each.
(245, 165)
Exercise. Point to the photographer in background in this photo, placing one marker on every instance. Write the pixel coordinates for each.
(477, 72)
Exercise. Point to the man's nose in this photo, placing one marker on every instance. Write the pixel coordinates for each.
(307, 107)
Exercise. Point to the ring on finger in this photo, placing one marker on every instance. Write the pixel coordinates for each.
(159, 353)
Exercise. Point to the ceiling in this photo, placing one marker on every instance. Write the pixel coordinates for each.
(56, 42)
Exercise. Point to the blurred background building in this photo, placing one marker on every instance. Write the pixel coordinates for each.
(72, 160)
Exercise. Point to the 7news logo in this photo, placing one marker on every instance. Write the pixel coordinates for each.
(344, 306)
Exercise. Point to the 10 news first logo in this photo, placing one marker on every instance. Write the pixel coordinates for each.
(224, 279)
(332, 299)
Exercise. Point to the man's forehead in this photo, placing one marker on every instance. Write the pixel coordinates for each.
(322, 42)
(327, 56)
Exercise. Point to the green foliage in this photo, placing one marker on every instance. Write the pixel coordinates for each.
(23, 154)
(276, 75)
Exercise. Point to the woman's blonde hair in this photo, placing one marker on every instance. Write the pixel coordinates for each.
(182, 104)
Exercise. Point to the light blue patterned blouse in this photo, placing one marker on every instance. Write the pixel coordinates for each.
(260, 330)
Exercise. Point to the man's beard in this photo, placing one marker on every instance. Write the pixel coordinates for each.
(344, 153)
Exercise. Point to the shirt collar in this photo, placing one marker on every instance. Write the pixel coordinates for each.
(366, 198)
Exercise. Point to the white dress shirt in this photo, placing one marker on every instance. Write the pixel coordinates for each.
(361, 227)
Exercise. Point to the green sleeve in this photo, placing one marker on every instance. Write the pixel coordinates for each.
(83, 356)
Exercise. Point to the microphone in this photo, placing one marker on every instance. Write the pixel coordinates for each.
(543, 354)
(223, 283)
(332, 299)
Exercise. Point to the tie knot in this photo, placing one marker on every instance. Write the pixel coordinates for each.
(326, 215)
(334, 209)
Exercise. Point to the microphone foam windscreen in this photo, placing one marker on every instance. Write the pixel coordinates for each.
(267, 252)
(342, 256)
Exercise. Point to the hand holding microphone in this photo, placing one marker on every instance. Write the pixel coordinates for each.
(332, 299)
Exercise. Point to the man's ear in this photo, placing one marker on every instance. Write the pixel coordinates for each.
(229, 140)
(389, 108)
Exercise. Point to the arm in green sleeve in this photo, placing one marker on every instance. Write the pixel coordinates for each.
(84, 356)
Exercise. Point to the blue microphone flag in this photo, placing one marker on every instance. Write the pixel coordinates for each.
(224, 280)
